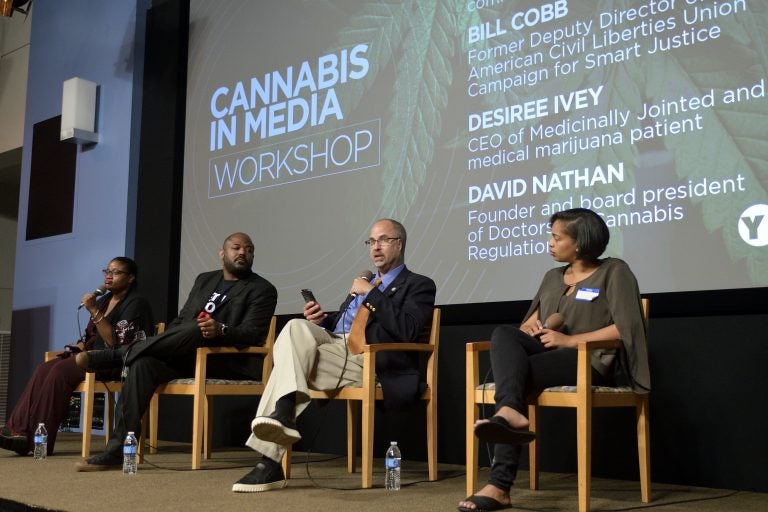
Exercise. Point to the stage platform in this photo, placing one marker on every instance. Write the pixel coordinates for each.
(164, 482)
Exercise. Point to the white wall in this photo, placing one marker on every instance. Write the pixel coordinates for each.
(14, 61)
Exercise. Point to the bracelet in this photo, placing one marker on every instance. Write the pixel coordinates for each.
(96, 320)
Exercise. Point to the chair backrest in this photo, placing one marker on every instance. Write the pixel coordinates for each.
(646, 305)
(269, 343)
(434, 340)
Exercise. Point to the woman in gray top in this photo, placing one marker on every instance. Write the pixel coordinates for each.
(589, 299)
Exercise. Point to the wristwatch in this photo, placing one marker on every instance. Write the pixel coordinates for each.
(223, 329)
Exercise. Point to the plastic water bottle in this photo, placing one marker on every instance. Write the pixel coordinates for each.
(129, 454)
(392, 464)
(41, 442)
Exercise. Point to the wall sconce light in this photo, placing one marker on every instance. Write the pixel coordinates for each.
(8, 6)
(78, 112)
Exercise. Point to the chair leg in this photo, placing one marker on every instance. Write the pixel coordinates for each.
(367, 411)
(584, 453)
(208, 422)
(154, 409)
(353, 418)
(142, 437)
(472, 447)
(109, 414)
(197, 429)
(432, 438)
(533, 448)
(367, 443)
(644, 449)
(86, 399)
(286, 462)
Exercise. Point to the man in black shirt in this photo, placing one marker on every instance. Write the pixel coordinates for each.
(231, 306)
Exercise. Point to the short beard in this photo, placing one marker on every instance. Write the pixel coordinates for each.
(237, 271)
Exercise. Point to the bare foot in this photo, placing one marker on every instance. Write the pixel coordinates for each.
(490, 491)
(515, 419)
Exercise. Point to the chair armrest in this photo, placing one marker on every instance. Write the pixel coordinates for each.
(201, 360)
(231, 350)
(594, 345)
(478, 346)
(398, 347)
(51, 355)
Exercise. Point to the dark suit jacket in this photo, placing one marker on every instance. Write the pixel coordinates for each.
(402, 312)
(247, 311)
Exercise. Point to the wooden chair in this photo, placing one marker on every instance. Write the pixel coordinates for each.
(583, 397)
(369, 392)
(88, 389)
(203, 389)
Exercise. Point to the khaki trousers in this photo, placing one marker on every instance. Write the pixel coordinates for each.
(306, 357)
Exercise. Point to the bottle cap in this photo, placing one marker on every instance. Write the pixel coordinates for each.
(130, 432)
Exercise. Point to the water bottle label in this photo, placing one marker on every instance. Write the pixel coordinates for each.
(392, 463)
(40, 439)
(129, 450)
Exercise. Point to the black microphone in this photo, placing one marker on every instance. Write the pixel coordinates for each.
(365, 275)
(98, 292)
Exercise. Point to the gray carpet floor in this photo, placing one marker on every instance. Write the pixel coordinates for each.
(164, 482)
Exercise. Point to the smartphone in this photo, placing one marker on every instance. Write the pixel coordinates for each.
(308, 295)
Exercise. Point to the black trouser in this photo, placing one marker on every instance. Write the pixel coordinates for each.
(152, 362)
(521, 365)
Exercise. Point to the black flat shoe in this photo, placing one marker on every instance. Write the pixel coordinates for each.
(101, 462)
(483, 504)
(498, 431)
(14, 443)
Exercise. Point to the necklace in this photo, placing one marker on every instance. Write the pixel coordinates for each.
(569, 272)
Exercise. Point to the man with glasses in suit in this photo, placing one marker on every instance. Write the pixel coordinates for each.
(323, 351)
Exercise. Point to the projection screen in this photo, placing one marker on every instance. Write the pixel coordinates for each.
(471, 122)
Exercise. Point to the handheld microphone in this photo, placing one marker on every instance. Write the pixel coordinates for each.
(554, 321)
(98, 292)
(365, 275)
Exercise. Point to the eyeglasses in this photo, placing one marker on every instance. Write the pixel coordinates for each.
(113, 272)
(384, 241)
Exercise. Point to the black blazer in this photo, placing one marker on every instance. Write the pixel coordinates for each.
(247, 311)
(402, 312)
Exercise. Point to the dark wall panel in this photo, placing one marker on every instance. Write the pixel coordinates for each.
(51, 183)
(161, 157)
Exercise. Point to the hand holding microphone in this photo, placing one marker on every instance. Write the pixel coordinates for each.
(362, 284)
(555, 322)
(89, 299)
(549, 334)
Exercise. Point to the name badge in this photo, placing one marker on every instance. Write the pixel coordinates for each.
(587, 294)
